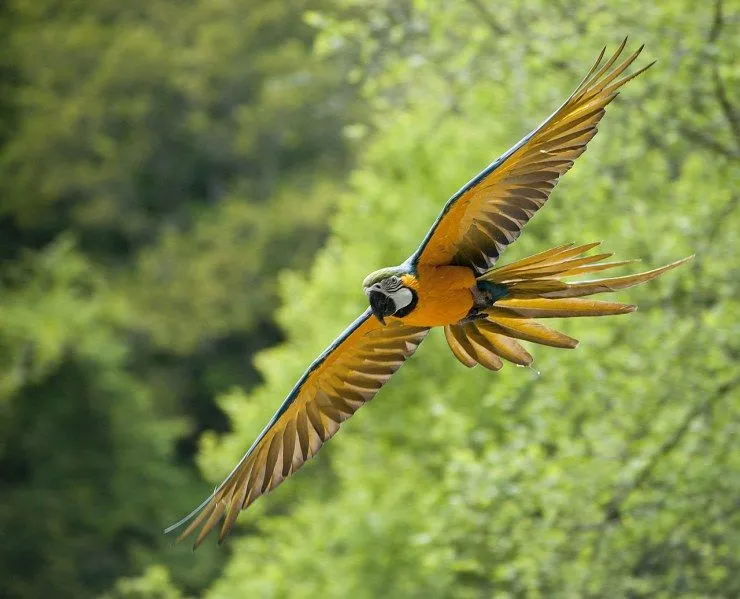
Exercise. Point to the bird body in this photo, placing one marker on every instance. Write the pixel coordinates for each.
(444, 294)
(451, 281)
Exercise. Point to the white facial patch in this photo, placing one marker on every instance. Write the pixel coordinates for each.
(402, 297)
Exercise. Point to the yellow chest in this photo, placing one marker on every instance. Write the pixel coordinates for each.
(443, 293)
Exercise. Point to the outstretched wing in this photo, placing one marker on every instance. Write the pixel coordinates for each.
(348, 374)
(489, 212)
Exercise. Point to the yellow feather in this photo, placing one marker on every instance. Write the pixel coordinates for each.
(612, 284)
(483, 353)
(551, 256)
(216, 513)
(509, 349)
(457, 349)
(563, 308)
(529, 330)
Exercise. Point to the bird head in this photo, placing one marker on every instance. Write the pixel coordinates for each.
(389, 293)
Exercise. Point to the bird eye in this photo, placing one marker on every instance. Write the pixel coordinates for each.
(392, 283)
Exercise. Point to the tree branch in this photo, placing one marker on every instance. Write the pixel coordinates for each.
(495, 26)
(613, 507)
(729, 111)
(717, 23)
(708, 142)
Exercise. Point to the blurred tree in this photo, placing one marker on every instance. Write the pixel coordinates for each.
(143, 114)
(160, 161)
(85, 451)
(8, 75)
(140, 143)
(611, 471)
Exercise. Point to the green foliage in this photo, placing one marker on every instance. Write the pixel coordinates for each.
(144, 112)
(155, 583)
(155, 161)
(222, 257)
(162, 162)
(609, 470)
(85, 449)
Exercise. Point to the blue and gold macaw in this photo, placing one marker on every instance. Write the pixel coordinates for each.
(451, 281)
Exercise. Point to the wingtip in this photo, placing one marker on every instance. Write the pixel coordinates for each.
(638, 51)
(173, 527)
(648, 65)
(201, 537)
(599, 58)
(189, 518)
(678, 263)
(223, 533)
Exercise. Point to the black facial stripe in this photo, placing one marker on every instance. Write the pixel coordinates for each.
(381, 305)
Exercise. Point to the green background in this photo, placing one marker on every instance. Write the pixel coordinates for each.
(191, 193)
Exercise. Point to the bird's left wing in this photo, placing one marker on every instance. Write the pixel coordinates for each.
(348, 374)
(488, 213)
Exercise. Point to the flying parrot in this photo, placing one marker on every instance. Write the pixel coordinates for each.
(450, 281)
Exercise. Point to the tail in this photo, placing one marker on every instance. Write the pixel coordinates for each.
(534, 288)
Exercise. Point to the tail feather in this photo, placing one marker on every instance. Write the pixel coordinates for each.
(457, 340)
(582, 270)
(506, 347)
(613, 284)
(539, 307)
(530, 330)
(535, 289)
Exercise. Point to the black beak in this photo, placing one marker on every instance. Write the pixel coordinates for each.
(381, 305)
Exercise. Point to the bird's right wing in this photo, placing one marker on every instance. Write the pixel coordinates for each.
(348, 374)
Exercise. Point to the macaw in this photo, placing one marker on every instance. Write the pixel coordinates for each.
(450, 281)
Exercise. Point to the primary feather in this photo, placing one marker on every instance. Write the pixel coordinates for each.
(488, 213)
(338, 383)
